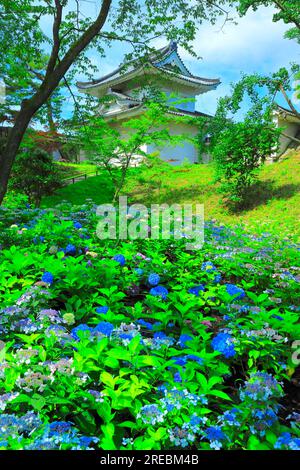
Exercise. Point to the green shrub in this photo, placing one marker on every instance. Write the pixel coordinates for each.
(36, 175)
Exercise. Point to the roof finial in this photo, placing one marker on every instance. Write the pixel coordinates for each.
(173, 45)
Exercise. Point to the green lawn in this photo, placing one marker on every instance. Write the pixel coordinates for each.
(275, 206)
(69, 170)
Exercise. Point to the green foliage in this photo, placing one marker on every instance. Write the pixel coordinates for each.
(36, 175)
(115, 147)
(61, 364)
(240, 151)
(276, 192)
(241, 147)
(29, 52)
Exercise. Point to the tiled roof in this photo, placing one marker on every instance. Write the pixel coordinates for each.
(140, 107)
(153, 61)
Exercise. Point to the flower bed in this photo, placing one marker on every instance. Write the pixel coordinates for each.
(144, 345)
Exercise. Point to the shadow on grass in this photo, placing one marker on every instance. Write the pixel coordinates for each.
(264, 191)
(98, 188)
(154, 193)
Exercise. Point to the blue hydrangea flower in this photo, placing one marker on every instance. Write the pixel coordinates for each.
(208, 266)
(105, 328)
(283, 440)
(217, 278)
(37, 240)
(153, 279)
(159, 291)
(183, 339)
(77, 225)
(59, 427)
(229, 417)
(161, 339)
(223, 343)
(215, 435)
(197, 289)
(127, 336)
(70, 249)
(262, 420)
(144, 323)
(139, 271)
(151, 414)
(181, 437)
(194, 423)
(260, 387)
(86, 441)
(104, 309)
(48, 277)
(82, 327)
(295, 444)
(180, 361)
(236, 291)
(177, 377)
(120, 259)
(192, 357)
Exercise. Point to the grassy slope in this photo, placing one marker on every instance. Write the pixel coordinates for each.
(276, 200)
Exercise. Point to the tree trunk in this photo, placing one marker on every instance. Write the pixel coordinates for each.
(52, 79)
(11, 149)
(15, 136)
(51, 123)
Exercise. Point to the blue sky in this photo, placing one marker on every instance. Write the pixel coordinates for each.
(254, 44)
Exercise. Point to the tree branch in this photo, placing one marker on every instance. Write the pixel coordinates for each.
(294, 110)
(284, 10)
(56, 39)
(291, 137)
(84, 40)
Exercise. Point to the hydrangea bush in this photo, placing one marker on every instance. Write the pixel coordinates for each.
(144, 345)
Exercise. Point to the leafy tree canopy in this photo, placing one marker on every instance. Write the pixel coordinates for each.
(34, 64)
(285, 10)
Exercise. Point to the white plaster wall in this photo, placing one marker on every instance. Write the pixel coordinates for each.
(289, 128)
(175, 155)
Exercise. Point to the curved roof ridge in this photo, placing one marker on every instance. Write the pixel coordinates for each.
(152, 60)
(195, 77)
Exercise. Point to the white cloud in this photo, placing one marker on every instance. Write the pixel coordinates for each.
(254, 44)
